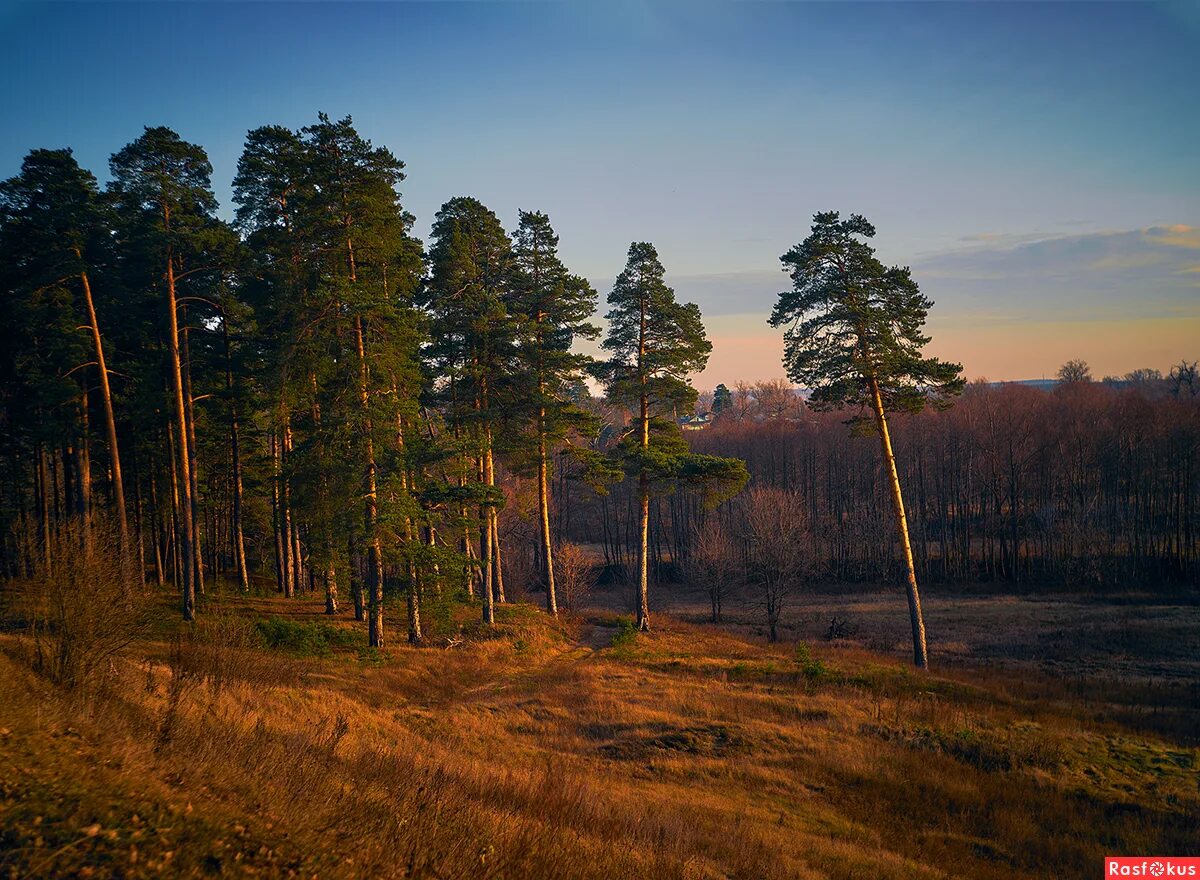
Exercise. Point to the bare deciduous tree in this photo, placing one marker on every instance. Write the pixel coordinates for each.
(779, 550)
(576, 573)
(714, 565)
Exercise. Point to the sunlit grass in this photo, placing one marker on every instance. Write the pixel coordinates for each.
(566, 750)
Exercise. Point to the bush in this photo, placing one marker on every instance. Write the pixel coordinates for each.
(626, 633)
(304, 639)
(810, 667)
(79, 609)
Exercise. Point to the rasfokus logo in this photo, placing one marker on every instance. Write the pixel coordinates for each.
(1151, 866)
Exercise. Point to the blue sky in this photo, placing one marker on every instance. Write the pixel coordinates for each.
(1037, 164)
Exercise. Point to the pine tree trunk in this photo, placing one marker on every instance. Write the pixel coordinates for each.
(643, 611)
(239, 538)
(485, 517)
(82, 466)
(544, 522)
(407, 483)
(291, 571)
(920, 652)
(183, 464)
(277, 513)
(190, 448)
(110, 425)
(494, 525)
(331, 590)
(374, 550)
(157, 518)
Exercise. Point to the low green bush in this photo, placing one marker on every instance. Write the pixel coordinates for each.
(316, 639)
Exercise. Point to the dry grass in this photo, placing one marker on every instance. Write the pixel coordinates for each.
(545, 751)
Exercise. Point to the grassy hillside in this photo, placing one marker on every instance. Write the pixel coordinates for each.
(266, 741)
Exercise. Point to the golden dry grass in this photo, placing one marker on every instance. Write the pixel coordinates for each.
(544, 751)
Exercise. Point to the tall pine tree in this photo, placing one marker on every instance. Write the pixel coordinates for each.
(553, 309)
(854, 336)
(656, 342)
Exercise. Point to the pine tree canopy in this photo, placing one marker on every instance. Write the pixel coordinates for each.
(850, 320)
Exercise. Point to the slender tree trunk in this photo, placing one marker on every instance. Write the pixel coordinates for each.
(331, 590)
(157, 518)
(239, 538)
(544, 521)
(920, 652)
(82, 465)
(192, 452)
(291, 579)
(643, 609)
(277, 513)
(374, 550)
(485, 516)
(110, 425)
(407, 484)
(494, 525)
(188, 562)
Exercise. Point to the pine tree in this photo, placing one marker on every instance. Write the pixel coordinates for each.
(271, 183)
(553, 308)
(473, 350)
(854, 336)
(162, 190)
(656, 342)
(55, 231)
(722, 400)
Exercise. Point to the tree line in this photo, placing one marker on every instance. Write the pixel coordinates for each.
(1085, 485)
(311, 397)
(309, 393)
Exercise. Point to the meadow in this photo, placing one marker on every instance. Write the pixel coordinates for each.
(267, 740)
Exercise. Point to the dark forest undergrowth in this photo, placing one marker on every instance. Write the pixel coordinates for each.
(267, 741)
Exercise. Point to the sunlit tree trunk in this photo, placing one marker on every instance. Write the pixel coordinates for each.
(192, 453)
(494, 517)
(183, 465)
(110, 426)
(544, 517)
(643, 610)
(374, 550)
(920, 653)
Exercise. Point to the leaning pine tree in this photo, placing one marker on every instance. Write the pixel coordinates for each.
(854, 336)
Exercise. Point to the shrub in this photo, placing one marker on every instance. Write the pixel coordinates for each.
(303, 639)
(810, 667)
(626, 633)
(79, 609)
(575, 575)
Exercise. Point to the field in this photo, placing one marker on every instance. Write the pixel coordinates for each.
(268, 742)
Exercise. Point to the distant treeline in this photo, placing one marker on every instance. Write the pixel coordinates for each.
(1085, 486)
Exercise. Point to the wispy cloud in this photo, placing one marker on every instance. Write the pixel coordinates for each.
(1136, 272)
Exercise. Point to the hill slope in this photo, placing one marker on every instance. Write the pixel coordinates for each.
(565, 750)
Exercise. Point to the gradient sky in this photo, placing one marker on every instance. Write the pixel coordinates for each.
(1038, 165)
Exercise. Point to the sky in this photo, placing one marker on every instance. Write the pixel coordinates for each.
(1036, 164)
